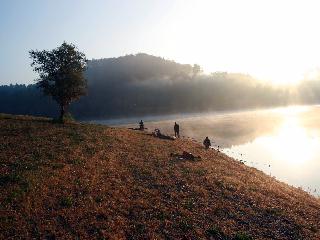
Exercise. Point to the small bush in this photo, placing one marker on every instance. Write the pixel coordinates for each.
(57, 166)
(18, 191)
(11, 178)
(98, 199)
(189, 204)
(76, 161)
(66, 201)
(185, 225)
(242, 236)
(68, 117)
(215, 233)
(200, 172)
(273, 211)
(314, 229)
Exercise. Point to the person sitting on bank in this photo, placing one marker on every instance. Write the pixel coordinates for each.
(141, 125)
(206, 143)
(176, 130)
(158, 134)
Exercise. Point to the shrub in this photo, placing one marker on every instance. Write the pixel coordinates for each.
(215, 233)
(66, 201)
(242, 236)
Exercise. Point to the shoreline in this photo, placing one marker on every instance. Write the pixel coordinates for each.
(89, 181)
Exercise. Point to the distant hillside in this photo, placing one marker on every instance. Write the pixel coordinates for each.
(81, 181)
(135, 68)
(143, 84)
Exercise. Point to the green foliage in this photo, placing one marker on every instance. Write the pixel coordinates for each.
(18, 191)
(215, 233)
(189, 204)
(61, 74)
(57, 166)
(314, 229)
(11, 178)
(200, 171)
(185, 224)
(98, 199)
(76, 161)
(274, 211)
(242, 236)
(76, 136)
(66, 201)
(68, 117)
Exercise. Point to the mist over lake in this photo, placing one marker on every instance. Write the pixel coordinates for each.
(282, 142)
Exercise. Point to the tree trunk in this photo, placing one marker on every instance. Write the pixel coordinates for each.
(62, 112)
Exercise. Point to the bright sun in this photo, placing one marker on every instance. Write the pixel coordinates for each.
(275, 41)
(280, 77)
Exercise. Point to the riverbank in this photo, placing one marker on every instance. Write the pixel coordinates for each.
(92, 181)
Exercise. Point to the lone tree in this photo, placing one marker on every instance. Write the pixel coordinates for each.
(61, 74)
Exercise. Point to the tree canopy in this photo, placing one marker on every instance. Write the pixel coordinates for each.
(61, 74)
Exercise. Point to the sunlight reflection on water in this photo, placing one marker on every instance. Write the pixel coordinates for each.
(291, 154)
(282, 142)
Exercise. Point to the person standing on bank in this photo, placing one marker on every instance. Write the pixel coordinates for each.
(206, 143)
(141, 125)
(176, 130)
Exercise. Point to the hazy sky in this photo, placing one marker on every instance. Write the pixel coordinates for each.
(277, 40)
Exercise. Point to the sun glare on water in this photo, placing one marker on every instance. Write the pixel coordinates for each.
(292, 145)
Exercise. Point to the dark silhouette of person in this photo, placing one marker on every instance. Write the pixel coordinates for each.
(158, 134)
(206, 143)
(176, 130)
(141, 125)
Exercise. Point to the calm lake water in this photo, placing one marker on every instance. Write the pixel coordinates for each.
(282, 142)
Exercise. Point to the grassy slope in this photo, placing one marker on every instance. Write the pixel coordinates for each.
(94, 182)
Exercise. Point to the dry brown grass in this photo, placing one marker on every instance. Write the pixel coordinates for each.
(94, 182)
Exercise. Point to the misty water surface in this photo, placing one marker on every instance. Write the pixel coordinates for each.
(282, 142)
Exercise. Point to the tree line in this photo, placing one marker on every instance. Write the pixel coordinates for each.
(142, 84)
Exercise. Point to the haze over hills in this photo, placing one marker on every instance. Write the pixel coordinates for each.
(143, 84)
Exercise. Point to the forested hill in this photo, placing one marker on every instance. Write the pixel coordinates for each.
(136, 68)
(144, 84)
